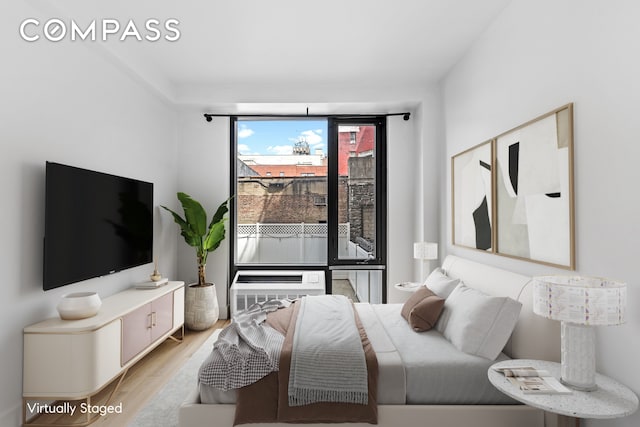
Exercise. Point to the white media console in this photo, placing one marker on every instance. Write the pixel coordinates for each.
(75, 359)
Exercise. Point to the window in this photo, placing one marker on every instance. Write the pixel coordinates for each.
(320, 200)
(352, 137)
(326, 207)
(277, 192)
(357, 185)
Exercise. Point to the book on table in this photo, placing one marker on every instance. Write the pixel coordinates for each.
(152, 284)
(533, 381)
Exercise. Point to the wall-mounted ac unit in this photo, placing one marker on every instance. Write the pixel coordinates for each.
(250, 287)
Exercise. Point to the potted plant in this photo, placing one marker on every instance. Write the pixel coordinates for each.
(201, 302)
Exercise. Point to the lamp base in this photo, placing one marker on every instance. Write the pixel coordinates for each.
(579, 387)
(578, 356)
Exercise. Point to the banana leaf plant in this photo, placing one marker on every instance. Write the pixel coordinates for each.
(195, 231)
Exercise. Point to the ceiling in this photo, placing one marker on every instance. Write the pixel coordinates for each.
(263, 47)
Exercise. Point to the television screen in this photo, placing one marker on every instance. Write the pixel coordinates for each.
(95, 224)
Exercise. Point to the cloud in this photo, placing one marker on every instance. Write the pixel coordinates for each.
(313, 137)
(281, 150)
(245, 132)
(244, 149)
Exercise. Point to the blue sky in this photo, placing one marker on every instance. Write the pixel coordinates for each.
(278, 136)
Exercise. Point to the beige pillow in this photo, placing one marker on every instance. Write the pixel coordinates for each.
(413, 300)
(425, 314)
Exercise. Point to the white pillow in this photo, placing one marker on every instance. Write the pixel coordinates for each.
(441, 284)
(477, 323)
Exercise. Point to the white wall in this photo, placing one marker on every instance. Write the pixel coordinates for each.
(430, 152)
(203, 173)
(402, 178)
(413, 188)
(69, 104)
(538, 56)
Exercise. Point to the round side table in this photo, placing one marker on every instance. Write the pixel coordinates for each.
(407, 286)
(610, 400)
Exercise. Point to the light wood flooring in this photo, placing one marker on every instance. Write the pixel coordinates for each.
(143, 380)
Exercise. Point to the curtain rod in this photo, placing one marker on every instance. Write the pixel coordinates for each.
(405, 116)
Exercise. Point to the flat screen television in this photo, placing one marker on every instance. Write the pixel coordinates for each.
(95, 224)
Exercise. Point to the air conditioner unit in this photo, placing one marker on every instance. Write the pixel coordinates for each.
(250, 287)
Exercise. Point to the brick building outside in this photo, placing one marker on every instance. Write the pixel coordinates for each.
(293, 188)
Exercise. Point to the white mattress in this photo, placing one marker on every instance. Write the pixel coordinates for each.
(414, 368)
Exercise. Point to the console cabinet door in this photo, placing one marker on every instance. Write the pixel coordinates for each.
(136, 332)
(162, 316)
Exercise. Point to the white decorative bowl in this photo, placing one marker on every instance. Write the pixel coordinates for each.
(79, 305)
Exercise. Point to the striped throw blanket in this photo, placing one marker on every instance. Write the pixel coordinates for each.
(328, 362)
(246, 350)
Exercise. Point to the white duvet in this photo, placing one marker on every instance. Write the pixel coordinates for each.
(414, 367)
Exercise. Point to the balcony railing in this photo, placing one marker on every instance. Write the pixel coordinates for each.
(302, 243)
(290, 230)
(291, 243)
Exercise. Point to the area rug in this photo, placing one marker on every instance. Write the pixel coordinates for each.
(162, 409)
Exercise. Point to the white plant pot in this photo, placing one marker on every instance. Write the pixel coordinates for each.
(201, 308)
(79, 305)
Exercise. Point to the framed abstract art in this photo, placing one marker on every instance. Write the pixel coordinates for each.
(472, 201)
(534, 190)
(513, 195)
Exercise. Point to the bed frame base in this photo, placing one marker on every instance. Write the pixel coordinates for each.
(194, 414)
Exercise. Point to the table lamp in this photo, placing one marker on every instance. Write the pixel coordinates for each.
(425, 251)
(579, 303)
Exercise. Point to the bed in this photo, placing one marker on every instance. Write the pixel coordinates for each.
(533, 337)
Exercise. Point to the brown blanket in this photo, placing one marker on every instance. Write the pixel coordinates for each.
(266, 400)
